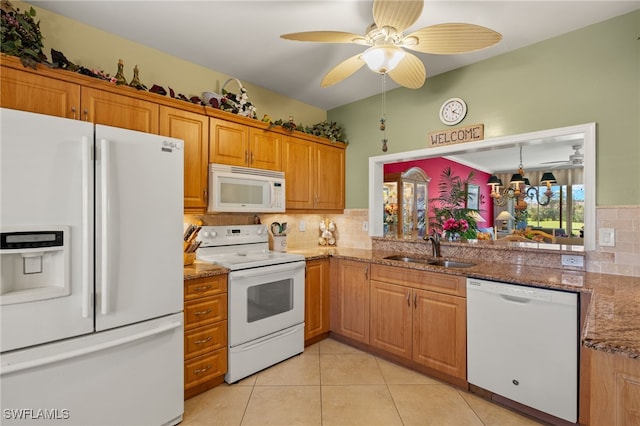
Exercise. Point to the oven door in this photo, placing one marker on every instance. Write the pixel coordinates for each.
(265, 300)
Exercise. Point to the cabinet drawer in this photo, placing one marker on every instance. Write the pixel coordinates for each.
(202, 287)
(205, 311)
(204, 368)
(442, 283)
(202, 340)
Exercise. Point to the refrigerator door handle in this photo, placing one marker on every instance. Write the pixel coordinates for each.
(86, 225)
(104, 211)
(20, 366)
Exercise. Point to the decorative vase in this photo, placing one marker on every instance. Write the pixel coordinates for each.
(453, 236)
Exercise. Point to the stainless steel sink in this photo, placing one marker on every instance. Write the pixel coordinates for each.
(402, 258)
(450, 263)
(436, 262)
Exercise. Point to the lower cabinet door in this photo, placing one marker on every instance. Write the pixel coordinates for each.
(440, 337)
(391, 318)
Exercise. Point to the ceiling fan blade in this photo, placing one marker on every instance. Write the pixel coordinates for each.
(410, 72)
(343, 70)
(398, 14)
(325, 37)
(555, 162)
(446, 39)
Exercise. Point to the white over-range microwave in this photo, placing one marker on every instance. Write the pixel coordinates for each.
(244, 189)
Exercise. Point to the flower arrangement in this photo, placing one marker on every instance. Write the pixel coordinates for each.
(450, 216)
(237, 103)
(454, 227)
(21, 35)
(390, 213)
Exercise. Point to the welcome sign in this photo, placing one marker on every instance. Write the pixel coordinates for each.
(475, 132)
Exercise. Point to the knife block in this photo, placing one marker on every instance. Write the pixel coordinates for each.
(189, 258)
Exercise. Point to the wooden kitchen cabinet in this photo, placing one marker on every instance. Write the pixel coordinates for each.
(439, 332)
(265, 149)
(205, 333)
(315, 175)
(350, 297)
(193, 129)
(615, 389)
(55, 92)
(237, 144)
(32, 92)
(392, 318)
(112, 109)
(316, 306)
(420, 316)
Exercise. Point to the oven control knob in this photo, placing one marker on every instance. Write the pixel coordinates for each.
(210, 234)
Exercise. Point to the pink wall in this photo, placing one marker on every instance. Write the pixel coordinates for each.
(433, 167)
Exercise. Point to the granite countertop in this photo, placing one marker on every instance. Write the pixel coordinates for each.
(200, 269)
(613, 317)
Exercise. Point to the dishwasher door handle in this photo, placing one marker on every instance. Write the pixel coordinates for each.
(515, 299)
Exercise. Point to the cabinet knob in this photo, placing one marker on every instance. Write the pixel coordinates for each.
(73, 110)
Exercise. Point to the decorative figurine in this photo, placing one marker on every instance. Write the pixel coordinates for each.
(136, 80)
(327, 233)
(120, 80)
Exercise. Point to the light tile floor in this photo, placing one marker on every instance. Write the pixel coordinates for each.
(335, 384)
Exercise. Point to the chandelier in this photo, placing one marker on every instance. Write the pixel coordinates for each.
(520, 188)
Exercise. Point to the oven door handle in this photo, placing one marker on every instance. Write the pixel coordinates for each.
(261, 271)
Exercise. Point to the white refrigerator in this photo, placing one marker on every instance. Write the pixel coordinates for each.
(91, 275)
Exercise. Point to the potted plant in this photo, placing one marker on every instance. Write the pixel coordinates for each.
(451, 217)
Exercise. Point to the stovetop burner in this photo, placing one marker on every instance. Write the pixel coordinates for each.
(240, 247)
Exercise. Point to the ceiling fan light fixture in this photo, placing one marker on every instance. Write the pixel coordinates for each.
(382, 59)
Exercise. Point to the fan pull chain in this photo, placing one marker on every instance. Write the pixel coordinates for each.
(383, 119)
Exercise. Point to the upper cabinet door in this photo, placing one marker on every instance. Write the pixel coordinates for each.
(193, 129)
(298, 166)
(34, 93)
(229, 143)
(265, 149)
(110, 109)
(330, 177)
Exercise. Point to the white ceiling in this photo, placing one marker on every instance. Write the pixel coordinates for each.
(242, 38)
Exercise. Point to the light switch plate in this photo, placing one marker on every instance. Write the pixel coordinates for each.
(607, 237)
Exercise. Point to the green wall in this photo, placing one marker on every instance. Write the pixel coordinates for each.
(588, 75)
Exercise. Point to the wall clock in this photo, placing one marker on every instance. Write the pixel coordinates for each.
(453, 111)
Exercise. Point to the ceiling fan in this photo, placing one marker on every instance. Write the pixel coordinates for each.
(387, 43)
(575, 160)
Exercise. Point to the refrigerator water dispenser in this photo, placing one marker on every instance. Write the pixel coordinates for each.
(34, 263)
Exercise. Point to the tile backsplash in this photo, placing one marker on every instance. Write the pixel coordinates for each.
(622, 259)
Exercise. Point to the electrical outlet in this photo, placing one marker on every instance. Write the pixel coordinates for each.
(302, 226)
(569, 260)
(607, 237)
(576, 280)
(365, 226)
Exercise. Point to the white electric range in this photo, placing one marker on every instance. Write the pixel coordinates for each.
(266, 297)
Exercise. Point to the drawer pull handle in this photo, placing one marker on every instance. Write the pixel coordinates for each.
(199, 342)
(208, 311)
(409, 298)
(415, 300)
(202, 370)
(203, 288)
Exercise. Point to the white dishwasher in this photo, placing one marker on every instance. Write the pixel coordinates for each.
(522, 344)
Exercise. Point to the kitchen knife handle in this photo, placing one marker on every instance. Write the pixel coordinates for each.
(106, 164)
(86, 225)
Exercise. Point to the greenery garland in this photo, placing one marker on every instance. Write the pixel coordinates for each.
(21, 35)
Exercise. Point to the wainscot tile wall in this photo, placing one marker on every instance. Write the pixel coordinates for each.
(622, 259)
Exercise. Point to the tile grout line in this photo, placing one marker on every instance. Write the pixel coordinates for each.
(386, 383)
(470, 407)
